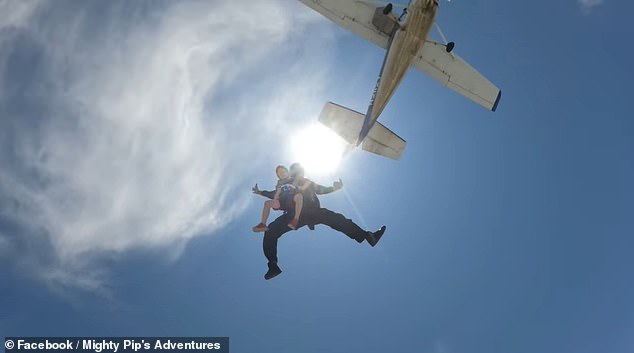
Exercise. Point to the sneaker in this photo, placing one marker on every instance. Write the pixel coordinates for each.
(273, 271)
(373, 238)
(293, 224)
(261, 227)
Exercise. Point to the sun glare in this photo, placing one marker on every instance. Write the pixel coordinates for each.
(318, 149)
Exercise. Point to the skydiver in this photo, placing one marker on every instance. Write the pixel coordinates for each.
(288, 194)
(312, 215)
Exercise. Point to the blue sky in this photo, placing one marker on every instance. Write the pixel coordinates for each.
(132, 133)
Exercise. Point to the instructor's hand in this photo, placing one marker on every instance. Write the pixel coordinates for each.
(337, 184)
(255, 189)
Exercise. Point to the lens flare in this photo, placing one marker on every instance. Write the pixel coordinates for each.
(318, 149)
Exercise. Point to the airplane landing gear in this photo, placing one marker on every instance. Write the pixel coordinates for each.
(387, 9)
(450, 47)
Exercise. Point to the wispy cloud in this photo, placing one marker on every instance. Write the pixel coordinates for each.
(588, 5)
(135, 124)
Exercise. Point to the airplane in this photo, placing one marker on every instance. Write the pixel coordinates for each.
(407, 44)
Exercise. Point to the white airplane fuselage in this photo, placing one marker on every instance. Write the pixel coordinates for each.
(404, 43)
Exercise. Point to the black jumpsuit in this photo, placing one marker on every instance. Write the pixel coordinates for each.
(312, 214)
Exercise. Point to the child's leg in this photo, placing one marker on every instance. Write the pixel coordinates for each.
(266, 210)
(274, 204)
(265, 216)
(299, 203)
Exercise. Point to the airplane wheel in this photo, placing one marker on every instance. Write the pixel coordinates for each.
(387, 9)
(450, 46)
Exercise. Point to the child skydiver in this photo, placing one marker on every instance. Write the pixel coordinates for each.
(286, 193)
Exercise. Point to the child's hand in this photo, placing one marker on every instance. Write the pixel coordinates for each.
(255, 189)
(337, 184)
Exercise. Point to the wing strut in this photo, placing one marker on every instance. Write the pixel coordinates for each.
(448, 45)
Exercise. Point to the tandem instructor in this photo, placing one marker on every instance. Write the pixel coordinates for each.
(312, 214)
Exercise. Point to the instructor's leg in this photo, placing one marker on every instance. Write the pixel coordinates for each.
(277, 228)
(338, 222)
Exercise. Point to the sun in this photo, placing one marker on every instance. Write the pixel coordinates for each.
(318, 149)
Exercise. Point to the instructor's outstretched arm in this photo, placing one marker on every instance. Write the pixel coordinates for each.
(322, 190)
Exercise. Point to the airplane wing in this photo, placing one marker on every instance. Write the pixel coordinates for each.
(347, 123)
(453, 72)
(449, 69)
(353, 15)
